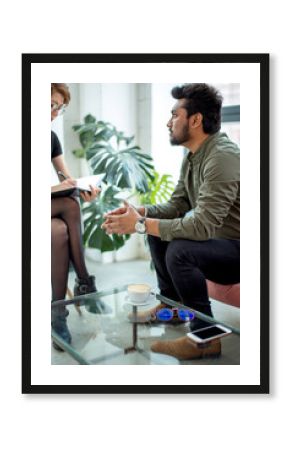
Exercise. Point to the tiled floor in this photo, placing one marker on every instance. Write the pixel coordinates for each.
(122, 273)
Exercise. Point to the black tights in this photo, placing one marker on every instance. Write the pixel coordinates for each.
(66, 244)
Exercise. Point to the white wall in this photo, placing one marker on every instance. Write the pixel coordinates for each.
(118, 106)
(167, 158)
(144, 116)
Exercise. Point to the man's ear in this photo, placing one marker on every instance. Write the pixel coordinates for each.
(196, 120)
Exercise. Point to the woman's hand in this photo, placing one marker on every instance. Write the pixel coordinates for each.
(90, 196)
(66, 184)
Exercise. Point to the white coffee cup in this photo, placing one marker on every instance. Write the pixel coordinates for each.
(139, 293)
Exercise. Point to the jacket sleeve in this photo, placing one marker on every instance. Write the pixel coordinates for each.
(217, 193)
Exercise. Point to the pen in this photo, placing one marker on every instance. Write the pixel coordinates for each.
(61, 174)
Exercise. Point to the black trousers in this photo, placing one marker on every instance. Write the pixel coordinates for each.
(182, 267)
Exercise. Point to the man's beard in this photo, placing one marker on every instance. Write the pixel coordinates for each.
(183, 137)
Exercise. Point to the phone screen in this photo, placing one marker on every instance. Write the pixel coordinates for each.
(208, 332)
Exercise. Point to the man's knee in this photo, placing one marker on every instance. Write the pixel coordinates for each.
(176, 254)
(153, 241)
(157, 247)
(59, 231)
(155, 244)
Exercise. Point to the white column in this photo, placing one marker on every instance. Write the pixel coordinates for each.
(119, 106)
(144, 106)
(71, 141)
(90, 100)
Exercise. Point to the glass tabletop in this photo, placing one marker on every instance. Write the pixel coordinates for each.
(107, 329)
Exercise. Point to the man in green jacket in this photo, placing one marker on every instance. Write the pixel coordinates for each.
(195, 235)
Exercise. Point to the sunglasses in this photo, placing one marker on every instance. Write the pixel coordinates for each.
(167, 314)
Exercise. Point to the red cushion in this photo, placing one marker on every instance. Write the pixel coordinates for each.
(229, 294)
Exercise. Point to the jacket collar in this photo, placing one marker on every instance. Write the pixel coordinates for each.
(195, 158)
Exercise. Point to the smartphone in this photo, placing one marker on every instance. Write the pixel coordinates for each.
(209, 333)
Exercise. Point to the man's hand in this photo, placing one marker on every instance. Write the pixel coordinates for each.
(121, 220)
(90, 196)
(116, 212)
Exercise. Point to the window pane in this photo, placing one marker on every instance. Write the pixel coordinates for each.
(232, 129)
(230, 93)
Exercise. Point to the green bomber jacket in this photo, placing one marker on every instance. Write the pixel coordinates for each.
(206, 201)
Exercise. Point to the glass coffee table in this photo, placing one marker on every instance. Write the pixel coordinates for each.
(106, 330)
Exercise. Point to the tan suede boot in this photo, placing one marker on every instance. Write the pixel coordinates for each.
(184, 348)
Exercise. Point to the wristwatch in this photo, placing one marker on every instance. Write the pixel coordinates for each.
(140, 225)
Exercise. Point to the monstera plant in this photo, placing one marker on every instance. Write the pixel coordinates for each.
(160, 188)
(127, 168)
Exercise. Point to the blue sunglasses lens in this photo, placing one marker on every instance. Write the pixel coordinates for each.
(185, 315)
(164, 314)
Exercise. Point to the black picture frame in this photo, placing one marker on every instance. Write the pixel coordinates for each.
(263, 61)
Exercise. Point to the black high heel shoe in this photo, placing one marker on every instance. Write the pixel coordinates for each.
(84, 286)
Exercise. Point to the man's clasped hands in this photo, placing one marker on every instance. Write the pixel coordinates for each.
(122, 220)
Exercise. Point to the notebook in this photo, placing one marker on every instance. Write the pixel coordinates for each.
(83, 185)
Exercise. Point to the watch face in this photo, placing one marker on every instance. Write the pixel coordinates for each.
(140, 227)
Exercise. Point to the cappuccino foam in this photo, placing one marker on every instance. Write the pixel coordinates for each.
(139, 288)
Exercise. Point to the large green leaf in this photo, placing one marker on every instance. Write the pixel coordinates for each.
(93, 213)
(126, 168)
(160, 190)
(110, 151)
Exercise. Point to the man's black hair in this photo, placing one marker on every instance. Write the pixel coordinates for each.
(204, 99)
